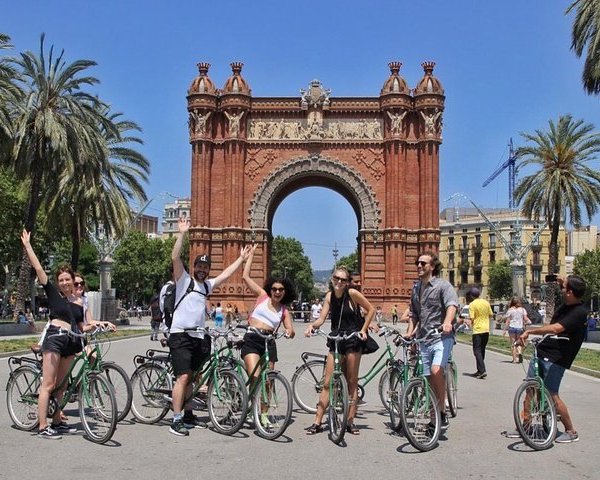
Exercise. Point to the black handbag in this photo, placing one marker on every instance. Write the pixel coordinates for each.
(369, 345)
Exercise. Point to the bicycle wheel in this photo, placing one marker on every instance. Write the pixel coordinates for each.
(420, 415)
(535, 415)
(22, 396)
(451, 389)
(97, 408)
(307, 385)
(272, 406)
(338, 408)
(118, 379)
(384, 388)
(151, 388)
(227, 402)
(395, 394)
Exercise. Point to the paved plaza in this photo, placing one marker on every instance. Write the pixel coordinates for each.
(473, 448)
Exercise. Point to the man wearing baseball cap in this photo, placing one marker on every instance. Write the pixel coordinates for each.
(480, 313)
(188, 349)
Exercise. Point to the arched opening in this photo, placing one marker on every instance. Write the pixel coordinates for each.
(321, 218)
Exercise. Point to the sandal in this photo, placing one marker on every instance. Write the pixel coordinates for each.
(352, 429)
(314, 428)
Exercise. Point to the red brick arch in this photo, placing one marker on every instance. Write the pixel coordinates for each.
(380, 153)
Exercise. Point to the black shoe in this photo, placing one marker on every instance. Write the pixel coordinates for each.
(314, 428)
(62, 427)
(445, 423)
(192, 421)
(520, 358)
(178, 428)
(49, 434)
(475, 375)
(481, 376)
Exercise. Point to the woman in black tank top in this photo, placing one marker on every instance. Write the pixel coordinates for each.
(343, 303)
(57, 350)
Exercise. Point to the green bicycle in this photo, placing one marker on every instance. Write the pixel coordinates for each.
(339, 399)
(270, 393)
(307, 381)
(534, 410)
(227, 398)
(96, 398)
(419, 410)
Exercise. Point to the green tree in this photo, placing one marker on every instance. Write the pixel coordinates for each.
(585, 37)
(587, 265)
(55, 129)
(9, 93)
(288, 259)
(140, 266)
(100, 196)
(350, 262)
(500, 280)
(563, 181)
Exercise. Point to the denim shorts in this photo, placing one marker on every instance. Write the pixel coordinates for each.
(550, 372)
(515, 331)
(436, 353)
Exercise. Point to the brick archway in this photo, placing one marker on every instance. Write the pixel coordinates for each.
(314, 170)
(380, 153)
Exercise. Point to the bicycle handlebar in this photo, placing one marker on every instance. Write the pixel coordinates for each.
(274, 335)
(336, 338)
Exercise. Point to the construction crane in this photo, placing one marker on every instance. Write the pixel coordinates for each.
(510, 164)
(514, 248)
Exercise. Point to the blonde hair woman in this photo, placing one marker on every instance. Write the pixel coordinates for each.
(516, 319)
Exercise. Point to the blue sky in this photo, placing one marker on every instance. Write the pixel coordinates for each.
(506, 67)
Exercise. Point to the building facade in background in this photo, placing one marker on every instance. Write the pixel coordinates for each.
(578, 241)
(146, 224)
(469, 245)
(180, 208)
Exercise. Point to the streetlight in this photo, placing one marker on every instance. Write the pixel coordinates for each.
(597, 295)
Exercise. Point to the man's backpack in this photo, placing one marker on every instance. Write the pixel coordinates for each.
(169, 305)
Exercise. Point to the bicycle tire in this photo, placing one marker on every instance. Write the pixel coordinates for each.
(97, 408)
(22, 397)
(539, 431)
(337, 417)
(422, 429)
(396, 386)
(227, 402)
(451, 389)
(272, 406)
(151, 387)
(116, 376)
(384, 389)
(307, 384)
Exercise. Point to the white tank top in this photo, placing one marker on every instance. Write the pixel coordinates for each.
(265, 315)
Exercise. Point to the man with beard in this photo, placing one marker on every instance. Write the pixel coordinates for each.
(190, 349)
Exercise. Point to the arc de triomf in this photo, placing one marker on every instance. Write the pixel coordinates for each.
(380, 153)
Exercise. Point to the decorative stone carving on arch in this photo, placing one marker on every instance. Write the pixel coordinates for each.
(315, 165)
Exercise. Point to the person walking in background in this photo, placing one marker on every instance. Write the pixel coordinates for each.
(480, 313)
(228, 315)
(378, 315)
(394, 312)
(516, 319)
(218, 315)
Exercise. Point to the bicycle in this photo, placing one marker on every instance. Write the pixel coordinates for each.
(337, 411)
(401, 371)
(307, 381)
(270, 393)
(227, 398)
(451, 374)
(96, 398)
(534, 410)
(115, 374)
(419, 409)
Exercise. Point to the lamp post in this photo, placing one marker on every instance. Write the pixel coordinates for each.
(597, 295)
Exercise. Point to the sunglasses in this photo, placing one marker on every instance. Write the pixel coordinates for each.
(277, 289)
(339, 279)
(421, 263)
(79, 284)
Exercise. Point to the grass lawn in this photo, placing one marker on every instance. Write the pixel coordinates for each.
(22, 344)
(586, 358)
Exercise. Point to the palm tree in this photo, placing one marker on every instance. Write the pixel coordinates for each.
(55, 129)
(585, 35)
(9, 92)
(99, 198)
(563, 183)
